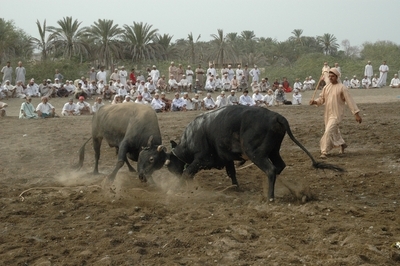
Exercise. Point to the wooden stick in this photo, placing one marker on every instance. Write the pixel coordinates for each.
(316, 88)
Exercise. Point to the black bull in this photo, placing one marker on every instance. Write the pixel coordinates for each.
(217, 138)
(129, 127)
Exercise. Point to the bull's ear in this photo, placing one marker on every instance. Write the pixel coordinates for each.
(173, 144)
(150, 141)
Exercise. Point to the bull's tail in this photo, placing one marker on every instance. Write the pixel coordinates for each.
(82, 154)
(315, 164)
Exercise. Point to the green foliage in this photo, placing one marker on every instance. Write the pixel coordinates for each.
(46, 70)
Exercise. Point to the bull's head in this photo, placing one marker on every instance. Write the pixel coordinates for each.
(151, 158)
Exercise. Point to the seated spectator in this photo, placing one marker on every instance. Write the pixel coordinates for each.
(243, 83)
(307, 84)
(275, 85)
(218, 83)
(312, 81)
(161, 84)
(151, 87)
(264, 85)
(100, 87)
(365, 82)
(395, 82)
(173, 84)
(129, 86)
(296, 99)
(80, 92)
(269, 98)
(83, 107)
(235, 83)
(117, 99)
(280, 96)
(258, 98)
(19, 90)
(112, 88)
(255, 85)
(122, 91)
(197, 102)
(45, 109)
(232, 99)
(62, 92)
(226, 82)
(107, 93)
(210, 84)
(97, 105)
(157, 104)
(3, 107)
(375, 81)
(32, 89)
(209, 103)
(8, 89)
(45, 88)
(93, 87)
(346, 82)
(246, 100)
(70, 108)
(221, 100)
(297, 85)
(127, 99)
(166, 101)
(140, 100)
(178, 104)
(198, 86)
(184, 84)
(27, 110)
(354, 83)
(187, 101)
(147, 96)
(286, 85)
(140, 87)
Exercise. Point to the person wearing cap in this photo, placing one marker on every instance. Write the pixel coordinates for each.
(150, 85)
(255, 85)
(245, 99)
(258, 98)
(280, 96)
(264, 85)
(365, 82)
(218, 83)
(255, 73)
(312, 81)
(234, 83)
(20, 90)
(383, 70)
(226, 83)
(92, 88)
(27, 111)
(210, 84)
(166, 101)
(224, 70)
(97, 104)
(239, 72)
(335, 96)
(231, 72)
(45, 109)
(325, 72)
(122, 91)
(92, 74)
(127, 99)
(338, 68)
(157, 104)
(115, 75)
(189, 74)
(221, 100)
(146, 95)
(179, 73)
(198, 86)
(296, 97)
(354, 82)
(32, 89)
(172, 70)
(102, 74)
(173, 84)
(197, 102)
(117, 99)
(395, 82)
(45, 87)
(61, 92)
(243, 83)
(70, 108)
(140, 100)
(79, 91)
(269, 98)
(141, 86)
(123, 75)
(307, 84)
(187, 102)
(155, 74)
(346, 82)
(297, 85)
(184, 84)
(107, 93)
(232, 99)
(161, 84)
(20, 72)
(83, 107)
(7, 71)
(178, 104)
(59, 76)
(375, 81)
(286, 85)
(246, 73)
(200, 75)
(209, 103)
(369, 70)
(211, 71)
(7, 90)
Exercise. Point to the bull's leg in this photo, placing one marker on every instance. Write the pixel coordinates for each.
(96, 147)
(123, 150)
(131, 169)
(276, 159)
(267, 167)
(230, 170)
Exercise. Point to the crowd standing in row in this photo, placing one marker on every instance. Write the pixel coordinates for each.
(151, 88)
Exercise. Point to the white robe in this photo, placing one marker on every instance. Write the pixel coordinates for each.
(383, 69)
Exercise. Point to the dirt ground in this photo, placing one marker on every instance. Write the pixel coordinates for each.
(54, 215)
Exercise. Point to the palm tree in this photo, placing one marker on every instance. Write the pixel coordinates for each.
(105, 35)
(192, 46)
(139, 40)
(249, 41)
(42, 44)
(68, 38)
(297, 38)
(13, 41)
(167, 49)
(329, 43)
(222, 49)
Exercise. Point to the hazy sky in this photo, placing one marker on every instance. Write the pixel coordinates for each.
(355, 20)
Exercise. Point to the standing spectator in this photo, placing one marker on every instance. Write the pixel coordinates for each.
(123, 75)
(20, 72)
(246, 74)
(255, 73)
(132, 77)
(325, 72)
(365, 82)
(7, 73)
(102, 75)
(383, 70)
(93, 74)
(114, 76)
(58, 76)
(27, 110)
(231, 72)
(172, 70)
(338, 68)
(200, 75)
(155, 74)
(335, 96)
(239, 71)
(211, 71)
(70, 108)
(189, 75)
(179, 73)
(45, 109)
(369, 71)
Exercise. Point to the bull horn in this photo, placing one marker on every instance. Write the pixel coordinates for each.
(161, 148)
(167, 162)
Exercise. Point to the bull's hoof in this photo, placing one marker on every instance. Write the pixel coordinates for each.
(271, 200)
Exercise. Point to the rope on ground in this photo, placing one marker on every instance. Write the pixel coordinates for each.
(33, 188)
(244, 167)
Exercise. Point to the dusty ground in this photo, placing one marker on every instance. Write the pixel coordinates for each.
(64, 217)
